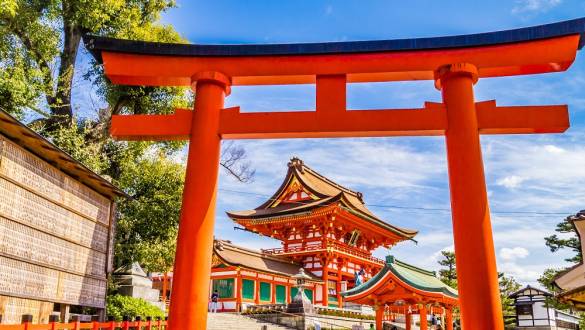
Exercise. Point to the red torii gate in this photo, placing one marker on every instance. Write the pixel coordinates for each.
(454, 63)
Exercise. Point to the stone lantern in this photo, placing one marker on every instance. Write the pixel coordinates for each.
(300, 304)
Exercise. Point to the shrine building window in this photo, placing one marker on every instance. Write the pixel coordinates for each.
(265, 291)
(247, 289)
(224, 287)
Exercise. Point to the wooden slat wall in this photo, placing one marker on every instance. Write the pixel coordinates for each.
(35, 174)
(55, 236)
(13, 308)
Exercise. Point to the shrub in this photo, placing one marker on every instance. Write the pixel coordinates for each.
(119, 306)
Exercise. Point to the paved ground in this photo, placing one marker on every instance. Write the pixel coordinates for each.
(232, 321)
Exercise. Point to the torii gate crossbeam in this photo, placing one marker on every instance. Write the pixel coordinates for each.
(454, 63)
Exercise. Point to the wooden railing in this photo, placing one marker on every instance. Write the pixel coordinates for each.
(323, 246)
(95, 325)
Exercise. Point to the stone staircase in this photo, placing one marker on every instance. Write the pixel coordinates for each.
(233, 321)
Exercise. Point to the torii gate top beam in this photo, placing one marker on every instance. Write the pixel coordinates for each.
(538, 49)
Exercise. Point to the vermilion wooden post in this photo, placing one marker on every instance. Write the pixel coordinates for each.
(422, 313)
(164, 287)
(408, 320)
(325, 271)
(474, 247)
(190, 293)
(238, 291)
(379, 317)
(449, 319)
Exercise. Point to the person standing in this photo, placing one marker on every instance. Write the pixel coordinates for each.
(214, 300)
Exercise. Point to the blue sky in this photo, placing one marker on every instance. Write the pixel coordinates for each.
(524, 173)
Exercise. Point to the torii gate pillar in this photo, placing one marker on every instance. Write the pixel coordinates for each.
(479, 295)
(190, 294)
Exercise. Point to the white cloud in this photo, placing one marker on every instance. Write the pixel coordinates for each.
(531, 6)
(509, 254)
(523, 274)
(511, 181)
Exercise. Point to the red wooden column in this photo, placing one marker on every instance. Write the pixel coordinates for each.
(325, 267)
(256, 291)
(379, 317)
(194, 244)
(449, 318)
(408, 320)
(164, 287)
(340, 264)
(472, 231)
(422, 313)
(239, 288)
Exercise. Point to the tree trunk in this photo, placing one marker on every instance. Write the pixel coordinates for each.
(61, 108)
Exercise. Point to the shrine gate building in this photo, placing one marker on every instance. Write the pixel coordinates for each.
(324, 228)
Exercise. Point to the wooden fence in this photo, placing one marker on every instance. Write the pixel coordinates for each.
(138, 324)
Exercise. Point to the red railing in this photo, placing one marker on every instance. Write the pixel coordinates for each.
(111, 325)
(323, 246)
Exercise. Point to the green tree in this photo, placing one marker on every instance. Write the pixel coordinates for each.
(571, 241)
(449, 274)
(556, 243)
(40, 43)
(508, 285)
(148, 222)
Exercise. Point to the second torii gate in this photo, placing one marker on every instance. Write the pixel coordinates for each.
(454, 63)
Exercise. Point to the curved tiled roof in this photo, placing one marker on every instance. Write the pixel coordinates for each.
(327, 192)
(414, 277)
(238, 256)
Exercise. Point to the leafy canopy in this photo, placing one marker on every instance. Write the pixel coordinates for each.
(42, 68)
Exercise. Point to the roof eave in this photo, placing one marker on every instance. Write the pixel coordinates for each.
(97, 44)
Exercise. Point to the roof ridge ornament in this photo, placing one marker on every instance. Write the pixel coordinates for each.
(297, 163)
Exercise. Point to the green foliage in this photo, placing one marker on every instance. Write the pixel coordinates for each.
(39, 44)
(148, 222)
(38, 36)
(547, 281)
(119, 306)
(73, 139)
(508, 285)
(556, 243)
(449, 274)
(8, 7)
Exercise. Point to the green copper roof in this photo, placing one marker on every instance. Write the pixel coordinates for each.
(415, 277)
